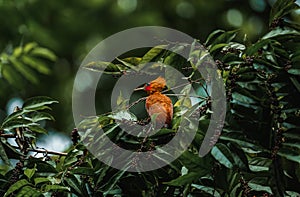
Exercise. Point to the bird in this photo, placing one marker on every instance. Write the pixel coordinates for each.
(159, 106)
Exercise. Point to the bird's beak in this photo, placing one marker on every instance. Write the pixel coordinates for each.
(137, 89)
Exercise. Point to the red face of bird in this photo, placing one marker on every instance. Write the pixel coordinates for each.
(156, 85)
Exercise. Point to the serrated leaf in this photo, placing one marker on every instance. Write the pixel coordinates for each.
(38, 102)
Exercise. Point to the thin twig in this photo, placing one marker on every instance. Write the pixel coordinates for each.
(8, 135)
(136, 102)
(202, 97)
(48, 152)
(44, 151)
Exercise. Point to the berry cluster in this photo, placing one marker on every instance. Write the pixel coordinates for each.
(75, 136)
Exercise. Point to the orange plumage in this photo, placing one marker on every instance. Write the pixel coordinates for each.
(158, 105)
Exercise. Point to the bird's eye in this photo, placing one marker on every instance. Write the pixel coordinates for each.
(147, 84)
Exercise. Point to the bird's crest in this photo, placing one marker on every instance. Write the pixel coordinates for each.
(156, 85)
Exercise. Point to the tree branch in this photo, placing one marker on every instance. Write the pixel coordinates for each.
(39, 150)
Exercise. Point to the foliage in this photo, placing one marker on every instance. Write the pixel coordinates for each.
(22, 61)
(258, 150)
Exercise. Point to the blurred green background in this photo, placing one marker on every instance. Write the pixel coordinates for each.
(72, 28)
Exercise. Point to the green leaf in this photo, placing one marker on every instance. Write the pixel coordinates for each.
(127, 64)
(258, 187)
(83, 170)
(195, 163)
(17, 52)
(258, 45)
(13, 78)
(14, 115)
(162, 132)
(38, 180)
(221, 153)
(38, 116)
(48, 188)
(29, 46)
(75, 185)
(294, 71)
(296, 83)
(242, 140)
(36, 64)
(38, 102)
(281, 8)
(29, 191)
(224, 37)
(259, 164)
(185, 179)
(3, 155)
(17, 123)
(217, 46)
(114, 180)
(152, 53)
(209, 190)
(43, 52)
(133, 60)
(286, 33)
(37, 129)
(29, 172)
(212, 36)
(289, 154)
(105, 67)
(16, 186)
(24, 70)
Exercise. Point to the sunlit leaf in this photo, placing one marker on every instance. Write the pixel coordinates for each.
(29, 172)
(38, 102)
(16, 186)
(43, 52)
(221, 153)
